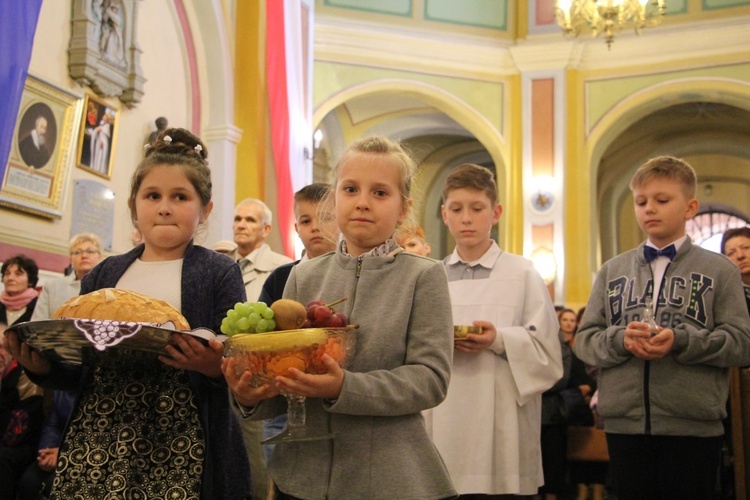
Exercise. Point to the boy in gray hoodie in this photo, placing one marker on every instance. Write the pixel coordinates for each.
(665, 362)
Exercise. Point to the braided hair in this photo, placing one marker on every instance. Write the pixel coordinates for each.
(181, 148)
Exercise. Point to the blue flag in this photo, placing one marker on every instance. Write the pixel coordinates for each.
(18, 19)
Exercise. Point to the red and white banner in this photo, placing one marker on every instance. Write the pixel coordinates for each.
(289, 78)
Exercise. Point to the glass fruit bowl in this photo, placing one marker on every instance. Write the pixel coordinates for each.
(272, 354)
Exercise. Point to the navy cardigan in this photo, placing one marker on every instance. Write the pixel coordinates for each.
(211, 284)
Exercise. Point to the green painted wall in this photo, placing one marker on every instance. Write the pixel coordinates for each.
(483, 13)
(391, 7)
(602, 95)
(673, 7)
(486, 98)
(723, 4)
(486, 14)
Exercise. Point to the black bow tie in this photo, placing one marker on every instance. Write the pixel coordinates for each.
(651, 253)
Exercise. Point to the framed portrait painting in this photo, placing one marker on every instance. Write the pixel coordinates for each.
(96, 138)
(41, 151)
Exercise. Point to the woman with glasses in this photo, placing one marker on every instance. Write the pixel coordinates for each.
(735, 244)
(85, 253)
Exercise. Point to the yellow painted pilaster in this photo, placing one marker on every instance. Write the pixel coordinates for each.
(513, 209)
(522, 20)
(578, 195)
(251, 109)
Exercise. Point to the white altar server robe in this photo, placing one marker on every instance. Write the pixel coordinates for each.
(487, 429)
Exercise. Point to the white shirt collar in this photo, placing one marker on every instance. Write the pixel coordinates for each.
(487, 260)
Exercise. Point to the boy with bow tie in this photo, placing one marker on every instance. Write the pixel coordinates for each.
(665, 322)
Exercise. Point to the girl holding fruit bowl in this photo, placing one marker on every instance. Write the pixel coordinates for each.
(401, 363)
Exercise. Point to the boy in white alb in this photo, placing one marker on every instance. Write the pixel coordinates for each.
(487, 429)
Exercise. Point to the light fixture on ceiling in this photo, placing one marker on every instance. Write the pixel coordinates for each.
(607, 16)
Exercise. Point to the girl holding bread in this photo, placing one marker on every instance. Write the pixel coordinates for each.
(147, 426)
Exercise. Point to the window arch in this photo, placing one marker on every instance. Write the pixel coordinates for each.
(709, 224)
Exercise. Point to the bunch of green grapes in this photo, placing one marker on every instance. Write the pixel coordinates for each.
(248, 317)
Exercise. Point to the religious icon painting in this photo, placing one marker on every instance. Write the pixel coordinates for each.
(96, 138)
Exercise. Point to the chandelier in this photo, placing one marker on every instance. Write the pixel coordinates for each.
(607, 16)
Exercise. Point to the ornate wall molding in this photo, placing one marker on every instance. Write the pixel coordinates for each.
(103, 52)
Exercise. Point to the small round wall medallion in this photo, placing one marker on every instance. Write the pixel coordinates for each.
(542, 201)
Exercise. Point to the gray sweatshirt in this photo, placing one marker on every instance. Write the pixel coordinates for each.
(685, 392)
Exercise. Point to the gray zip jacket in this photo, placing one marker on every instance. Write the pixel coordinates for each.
(685, 392)
(400, 367)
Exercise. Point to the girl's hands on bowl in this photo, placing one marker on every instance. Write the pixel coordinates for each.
(243, 392)
(194, 355)
(327, 385)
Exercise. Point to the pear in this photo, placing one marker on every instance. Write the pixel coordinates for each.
(288, 314)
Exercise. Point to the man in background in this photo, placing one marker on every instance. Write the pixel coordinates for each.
(252, 225)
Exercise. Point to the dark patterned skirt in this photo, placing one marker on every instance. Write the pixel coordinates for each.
(134, 434)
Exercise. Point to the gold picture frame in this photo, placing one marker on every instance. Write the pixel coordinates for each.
(41, 151)
(96, 137)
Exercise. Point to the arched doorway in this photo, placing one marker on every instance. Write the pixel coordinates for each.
(709, 136)
(438, 130)
(703, 120)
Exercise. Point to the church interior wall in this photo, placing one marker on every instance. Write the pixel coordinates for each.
(466, 66)
(166, 94)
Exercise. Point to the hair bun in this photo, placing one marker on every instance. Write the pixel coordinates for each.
(178, 141)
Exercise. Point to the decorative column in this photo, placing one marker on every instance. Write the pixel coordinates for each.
(543, 171)
(221, 142)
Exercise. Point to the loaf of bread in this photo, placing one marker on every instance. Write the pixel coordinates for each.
(121, 305)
